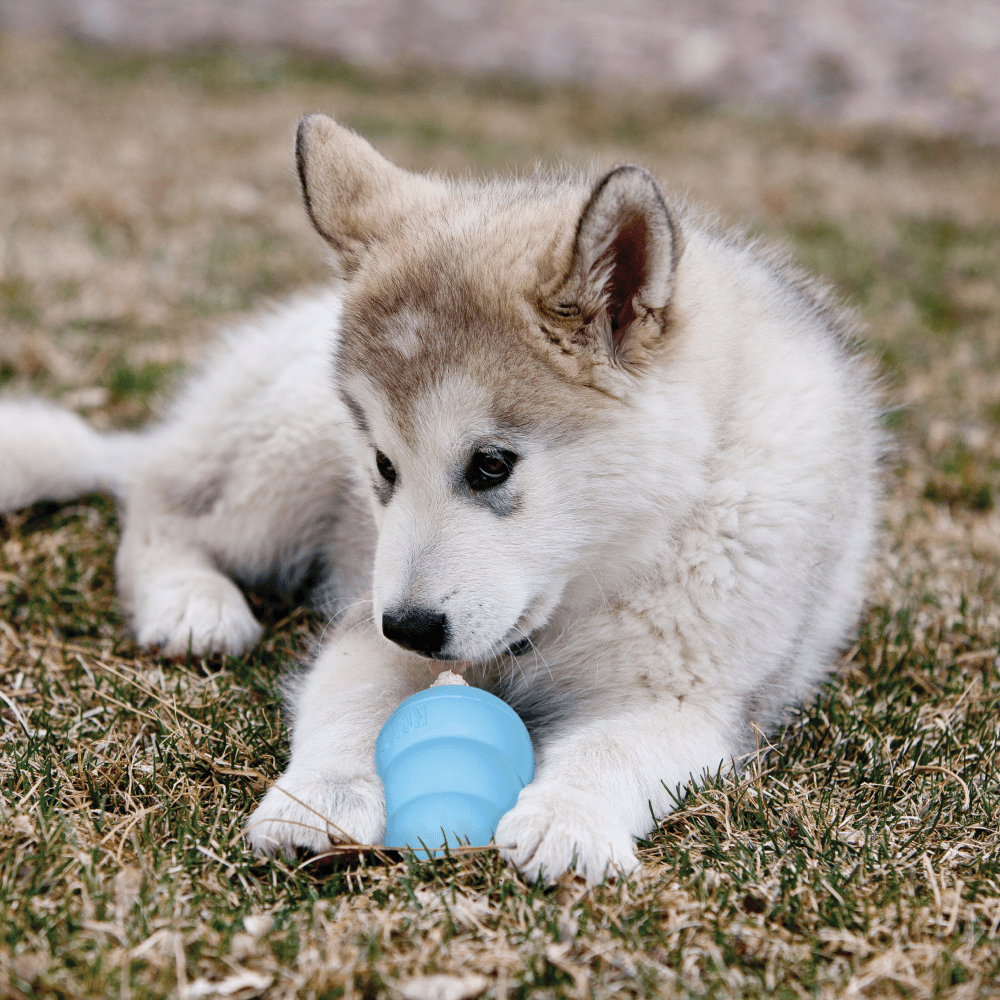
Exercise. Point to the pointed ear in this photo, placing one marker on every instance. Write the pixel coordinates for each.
(625, 256)
(352, 193)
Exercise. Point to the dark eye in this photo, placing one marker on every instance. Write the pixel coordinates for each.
(385, 468)
(489, 468)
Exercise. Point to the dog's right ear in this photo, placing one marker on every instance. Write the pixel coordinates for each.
(353, 194)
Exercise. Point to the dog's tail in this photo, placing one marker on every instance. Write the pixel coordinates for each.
(49, 453)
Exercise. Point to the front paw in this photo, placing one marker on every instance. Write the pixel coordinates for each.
(315, 810)
(205, 613)
(553, 830)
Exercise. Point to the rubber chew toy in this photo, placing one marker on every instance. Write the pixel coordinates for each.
(453, 759)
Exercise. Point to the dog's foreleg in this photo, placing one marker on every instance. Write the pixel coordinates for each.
(330, 791)
(599, 784)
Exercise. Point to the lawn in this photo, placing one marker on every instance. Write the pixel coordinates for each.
(144, 202)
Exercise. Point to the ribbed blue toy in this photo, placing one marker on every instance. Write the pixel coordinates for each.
(453, 760)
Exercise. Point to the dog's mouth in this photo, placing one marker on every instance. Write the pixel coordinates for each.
(518, 648)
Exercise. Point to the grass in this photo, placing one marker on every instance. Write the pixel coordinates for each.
(147, 200)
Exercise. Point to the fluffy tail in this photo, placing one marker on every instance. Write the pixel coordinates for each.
(49, 453)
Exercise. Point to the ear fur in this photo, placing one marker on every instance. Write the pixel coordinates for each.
(625, 256)
(353, 194)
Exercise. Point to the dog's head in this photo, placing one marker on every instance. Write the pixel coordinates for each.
(494, 336)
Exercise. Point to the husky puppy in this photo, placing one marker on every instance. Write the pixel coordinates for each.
(559, 432)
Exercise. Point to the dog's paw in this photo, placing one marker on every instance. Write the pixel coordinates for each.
(314, 810)
(204, 612)
(551, 831)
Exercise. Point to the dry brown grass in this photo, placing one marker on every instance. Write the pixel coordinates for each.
(146, 200)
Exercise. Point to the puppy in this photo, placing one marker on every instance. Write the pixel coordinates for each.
(557, 431)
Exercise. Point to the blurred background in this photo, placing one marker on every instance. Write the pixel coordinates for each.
(931, 64)
(147, 191)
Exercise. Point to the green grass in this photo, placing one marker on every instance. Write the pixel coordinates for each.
(855, 855)
(962, 480)
(15, 296)
(868, 830)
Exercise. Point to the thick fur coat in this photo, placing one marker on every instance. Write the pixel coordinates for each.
(620, 467)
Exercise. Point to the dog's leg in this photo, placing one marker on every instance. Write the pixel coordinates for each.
(330, 791)
(598, 785)
(178, 599)
(259, 511)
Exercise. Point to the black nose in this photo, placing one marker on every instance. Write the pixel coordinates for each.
(416, 628)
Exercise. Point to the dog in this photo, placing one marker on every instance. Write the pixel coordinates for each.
(620, 466)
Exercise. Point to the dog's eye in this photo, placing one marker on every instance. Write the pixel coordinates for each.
(489, 468)
(385, 468)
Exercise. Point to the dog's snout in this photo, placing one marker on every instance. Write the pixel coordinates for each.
(419, 629)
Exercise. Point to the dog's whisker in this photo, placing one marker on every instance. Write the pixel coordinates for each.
(600, 586)
(536, 651)
(322, 429)
(343, 611)
(366, 620)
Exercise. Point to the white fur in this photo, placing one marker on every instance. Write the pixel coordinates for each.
(687, 564)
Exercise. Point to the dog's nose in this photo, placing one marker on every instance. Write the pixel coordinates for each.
(418, 629)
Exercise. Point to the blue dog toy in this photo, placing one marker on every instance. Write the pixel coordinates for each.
(452, 759)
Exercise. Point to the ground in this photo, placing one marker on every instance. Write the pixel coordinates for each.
(144, 201)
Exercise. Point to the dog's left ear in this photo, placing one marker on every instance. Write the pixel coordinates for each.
(625, 256)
